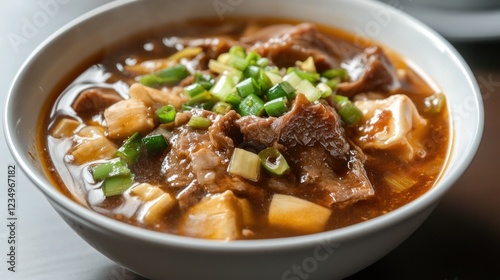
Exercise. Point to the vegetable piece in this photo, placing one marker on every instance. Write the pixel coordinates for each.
(335, 73)
(158, 202)
(223, 87)
(276, 107)
(307, 65)
(205, 80)
(247, 87)
(220, 68)
(65, 127)
(149, 66)
(294, 213)
(126, 117)
(130, 149)
(93, 149)
(274, 78)
(245, 164)
(185, 53)
(305, 87)
(399, 183)
(283, 89)
(293, 79)
(312, 77)
(194, 89)
(238, 51)
(251, 105)
(199, 122)
(221, 108)
(349, 113)
(216, 217)
(273, 161)
(234, 99)
(154, 143)
(166, 114)
(116, 185)
(168, 76)
(114, 167)
(324, 89)
(435, 103)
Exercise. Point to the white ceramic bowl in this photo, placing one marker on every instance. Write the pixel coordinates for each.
(328, 255)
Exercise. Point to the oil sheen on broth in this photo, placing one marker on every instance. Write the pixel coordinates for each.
(245, 130)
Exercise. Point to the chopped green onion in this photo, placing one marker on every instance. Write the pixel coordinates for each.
(185, 53)
(168, 76)
(205, 80)
(238, 51)
(222, 87)
(324, 89)
(245, 164)
(221, 108)
(201, 98)
(305, 87)
(336, 73)
(349, 113)
(220, 68)
(275, 78)
(247, 87)
(166, 114)
(332, 83)
(234, 99)
(264, 81)
(154, 143)
(251, 105)
(130, 149)
(252, 71)
(283, 89)
(254, 58)
(116, 185)
(292, 78)
(399, 183)
(273, 161)
(194, 89)
(114, 167)
(312, 77)
(434, 103)
(237, 62)
(262, 62)
(276, 107)
(199, 122)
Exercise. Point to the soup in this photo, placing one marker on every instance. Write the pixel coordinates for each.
(246, 129)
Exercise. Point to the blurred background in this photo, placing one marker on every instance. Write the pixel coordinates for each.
(460, 240)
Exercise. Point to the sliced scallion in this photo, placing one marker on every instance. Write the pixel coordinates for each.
(251, 105)
(114, 167)
(154, 143)
(283, 89)
(199, 122)
(116, 185)
(245, 164)
(130, 149)
(349, 113)
(168, 76)
(276, 107)
(221, 108)
(305, 87)
(247, 87)
(336, 73)
(273, 161)
(166, 114)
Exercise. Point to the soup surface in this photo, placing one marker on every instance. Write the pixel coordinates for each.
(246, 130)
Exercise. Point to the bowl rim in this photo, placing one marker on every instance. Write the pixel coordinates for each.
(94, 219)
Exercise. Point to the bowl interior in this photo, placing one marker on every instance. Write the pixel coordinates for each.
(63, 52)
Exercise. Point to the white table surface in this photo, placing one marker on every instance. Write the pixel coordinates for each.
(46, 248)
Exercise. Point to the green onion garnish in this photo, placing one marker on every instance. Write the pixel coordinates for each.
(245, 164)
(283, 89)
(273, 161)
(114, 167)
(168, 76)
(349, 113)
(276, 107)
(251, 105)
(221, 108)
(336, 73)
(154, 143)
(130, 149)
(199, 122)
(205, 80)
(117, 184)
(166, 114)
(312, 77)
(247, 87)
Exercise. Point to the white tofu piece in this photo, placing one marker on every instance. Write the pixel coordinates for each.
(126, 117)
(215, 217)
(156, 202)
(294, 213)
(392, 123)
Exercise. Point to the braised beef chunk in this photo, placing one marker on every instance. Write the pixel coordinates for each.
(284, 45)
(258, 132)
(94, 100)
(369, 71)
